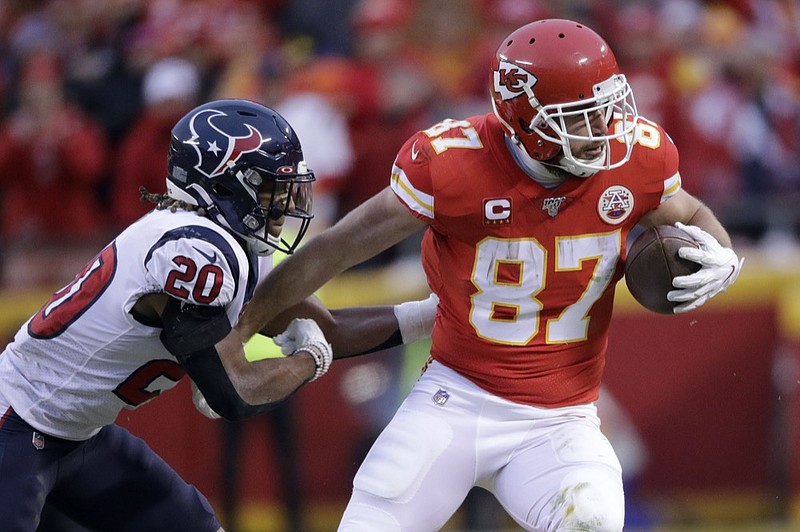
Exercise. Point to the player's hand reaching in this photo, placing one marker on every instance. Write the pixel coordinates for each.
(305, 335)
(719, 268)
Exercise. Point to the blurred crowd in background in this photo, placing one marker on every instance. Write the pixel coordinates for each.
(89, 90)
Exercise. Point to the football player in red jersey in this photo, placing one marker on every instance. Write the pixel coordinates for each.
(526, 212)
(157, 303)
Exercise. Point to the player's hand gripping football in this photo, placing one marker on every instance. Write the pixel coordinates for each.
(305, 335)
(719, 268)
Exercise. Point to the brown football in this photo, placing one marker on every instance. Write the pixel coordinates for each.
(653, 262)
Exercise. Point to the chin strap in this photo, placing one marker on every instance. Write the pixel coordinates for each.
(261, 248)
(575, 169)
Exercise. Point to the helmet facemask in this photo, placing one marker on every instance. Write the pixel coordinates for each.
(290, 196)
(613, 98)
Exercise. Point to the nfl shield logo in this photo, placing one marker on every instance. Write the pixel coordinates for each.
(38, 441)
(441, 397)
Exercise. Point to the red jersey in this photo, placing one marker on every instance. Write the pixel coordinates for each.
(525, 274)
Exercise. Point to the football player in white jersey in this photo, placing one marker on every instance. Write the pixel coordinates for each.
(158, 303)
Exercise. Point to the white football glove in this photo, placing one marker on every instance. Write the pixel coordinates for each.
(305, 335)
(415, 318)
(719, 268)
(201, 404)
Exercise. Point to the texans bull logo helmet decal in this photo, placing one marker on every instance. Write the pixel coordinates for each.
(222, 148)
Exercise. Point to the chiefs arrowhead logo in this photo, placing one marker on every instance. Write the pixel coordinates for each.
(510, 80)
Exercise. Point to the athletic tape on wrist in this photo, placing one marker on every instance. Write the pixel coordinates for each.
(415, 318)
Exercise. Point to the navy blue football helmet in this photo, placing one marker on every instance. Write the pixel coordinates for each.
(223, 154)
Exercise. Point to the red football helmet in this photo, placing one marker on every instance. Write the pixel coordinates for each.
(551, 69)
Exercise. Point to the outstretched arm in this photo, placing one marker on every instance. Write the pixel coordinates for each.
(354, 331)
(211, 351)
(241, 388)
(374, 226)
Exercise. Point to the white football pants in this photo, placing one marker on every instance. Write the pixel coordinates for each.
(551, 468)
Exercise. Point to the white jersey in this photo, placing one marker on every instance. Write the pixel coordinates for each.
(83, 357)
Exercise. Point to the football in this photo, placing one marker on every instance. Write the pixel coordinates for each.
(652, 263)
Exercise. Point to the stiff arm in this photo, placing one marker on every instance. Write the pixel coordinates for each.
(372, 227)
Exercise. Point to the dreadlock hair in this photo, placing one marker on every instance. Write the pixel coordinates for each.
(163, 201)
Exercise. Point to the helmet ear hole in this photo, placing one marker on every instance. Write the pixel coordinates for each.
(525, 127)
